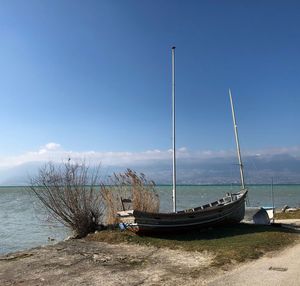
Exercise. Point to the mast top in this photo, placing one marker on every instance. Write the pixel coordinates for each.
(173, 48)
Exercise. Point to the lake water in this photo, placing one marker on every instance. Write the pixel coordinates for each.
(24, 225)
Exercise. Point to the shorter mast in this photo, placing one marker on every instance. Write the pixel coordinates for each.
(273, 205)
(173, 129)
(237, 142)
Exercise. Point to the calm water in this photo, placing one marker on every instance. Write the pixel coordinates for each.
(23, 225)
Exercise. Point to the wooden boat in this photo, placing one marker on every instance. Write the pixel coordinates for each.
(228, 210)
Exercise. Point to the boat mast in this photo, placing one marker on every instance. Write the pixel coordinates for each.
(173, 129)
(237, 142)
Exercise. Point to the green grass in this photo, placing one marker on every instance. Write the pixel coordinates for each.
(288, 215)
(229, 244)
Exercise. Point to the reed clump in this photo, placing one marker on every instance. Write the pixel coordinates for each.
(74, 195)
(129, 190)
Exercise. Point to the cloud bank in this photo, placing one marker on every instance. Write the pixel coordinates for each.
(194, 167)
(54, 152)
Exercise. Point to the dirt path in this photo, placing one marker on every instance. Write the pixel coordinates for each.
(280, 269)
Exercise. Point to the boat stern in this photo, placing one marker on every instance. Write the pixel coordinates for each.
(127, 221)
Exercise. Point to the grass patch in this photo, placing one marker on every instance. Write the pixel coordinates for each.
(288, 215)
(229, 244)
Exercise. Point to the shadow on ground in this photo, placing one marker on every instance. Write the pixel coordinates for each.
(224, 232)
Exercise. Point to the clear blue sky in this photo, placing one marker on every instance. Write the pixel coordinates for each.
(96, 75)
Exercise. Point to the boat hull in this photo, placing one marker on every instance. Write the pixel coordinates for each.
(228, 210)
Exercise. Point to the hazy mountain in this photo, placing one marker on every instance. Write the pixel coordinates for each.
(19, 175)
(258, 169)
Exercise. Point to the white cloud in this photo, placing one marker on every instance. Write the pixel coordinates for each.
(49, 147)
(182, 149)
(54, 152)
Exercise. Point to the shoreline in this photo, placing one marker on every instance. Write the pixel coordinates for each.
(23, 221)
(82, 262)
(87, 262)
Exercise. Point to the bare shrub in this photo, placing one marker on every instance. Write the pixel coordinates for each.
(132, 186)
(69, 193)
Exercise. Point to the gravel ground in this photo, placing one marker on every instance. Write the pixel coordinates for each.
(88, 263)
(78, 262)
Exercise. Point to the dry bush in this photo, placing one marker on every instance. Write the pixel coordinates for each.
(129, 185)
(69, 194)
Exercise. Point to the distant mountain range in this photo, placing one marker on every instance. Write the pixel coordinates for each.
(259, 169)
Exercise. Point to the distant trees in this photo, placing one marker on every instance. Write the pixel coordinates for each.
(74, 195)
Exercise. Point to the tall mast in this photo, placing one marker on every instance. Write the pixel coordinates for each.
(237, 141)
(173, 129)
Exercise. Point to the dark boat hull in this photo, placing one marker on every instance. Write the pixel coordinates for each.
(228, 210)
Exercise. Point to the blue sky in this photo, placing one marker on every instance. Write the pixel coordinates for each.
(96, 76)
